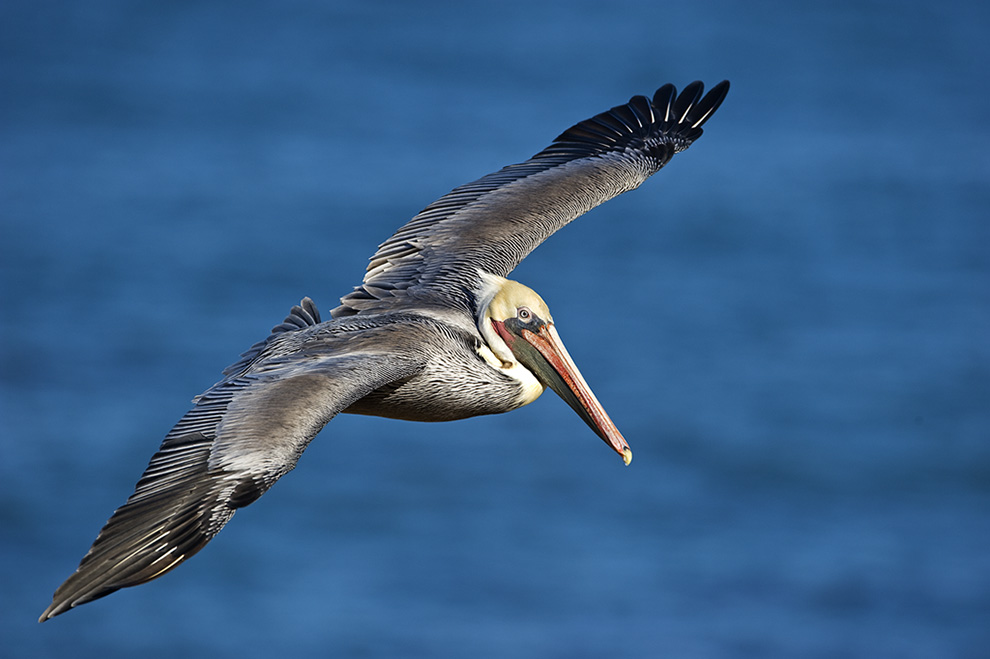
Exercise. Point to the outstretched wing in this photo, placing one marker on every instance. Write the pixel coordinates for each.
(492, 224)
(243, 434)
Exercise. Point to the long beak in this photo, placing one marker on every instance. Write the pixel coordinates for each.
(557, 370)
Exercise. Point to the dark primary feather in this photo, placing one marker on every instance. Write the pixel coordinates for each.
(241, 436)
(493, 223)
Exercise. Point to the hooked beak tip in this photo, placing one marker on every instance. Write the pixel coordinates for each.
(627, 456)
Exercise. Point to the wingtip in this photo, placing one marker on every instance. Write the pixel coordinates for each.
(58, 606)
(52, 611)
(711, 102)
(68, 596)
(692, 107)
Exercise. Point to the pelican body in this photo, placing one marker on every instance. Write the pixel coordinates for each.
(435, 332)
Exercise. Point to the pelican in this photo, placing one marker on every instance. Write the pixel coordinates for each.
(435, 332)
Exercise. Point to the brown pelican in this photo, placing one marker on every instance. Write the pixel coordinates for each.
(434, 332)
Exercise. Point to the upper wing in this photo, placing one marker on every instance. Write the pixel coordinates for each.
(243, 434)
(493, 223)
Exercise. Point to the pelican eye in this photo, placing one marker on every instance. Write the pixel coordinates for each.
(524, 314)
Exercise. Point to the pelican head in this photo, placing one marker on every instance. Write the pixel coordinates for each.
(519, 330)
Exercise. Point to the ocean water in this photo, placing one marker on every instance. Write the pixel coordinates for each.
(789, 324)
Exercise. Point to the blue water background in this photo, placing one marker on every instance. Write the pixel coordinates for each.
(790, 324)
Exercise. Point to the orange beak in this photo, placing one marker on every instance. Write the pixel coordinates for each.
(543, 353)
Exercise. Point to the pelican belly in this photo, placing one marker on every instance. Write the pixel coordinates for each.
(446, 396)
(460, 378)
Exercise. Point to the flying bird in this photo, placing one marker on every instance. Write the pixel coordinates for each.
(434, 332)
